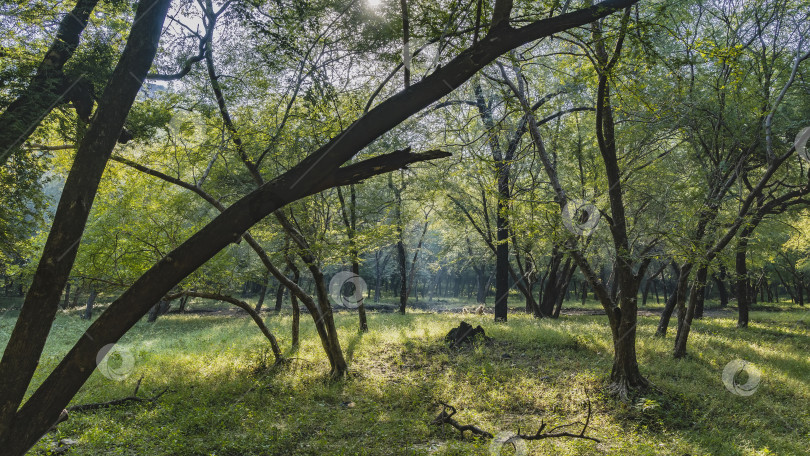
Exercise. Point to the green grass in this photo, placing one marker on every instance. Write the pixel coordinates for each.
(223, 400)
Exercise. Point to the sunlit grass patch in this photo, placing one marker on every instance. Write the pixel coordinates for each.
(224, 396)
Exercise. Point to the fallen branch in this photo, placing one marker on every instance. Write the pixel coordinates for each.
(132, 398)
(445, 417)
(540, 435)
(113, 403)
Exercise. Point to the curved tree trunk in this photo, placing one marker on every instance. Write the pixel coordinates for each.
(24, 348)
(666, 314)
(248, 309)
(672, 302)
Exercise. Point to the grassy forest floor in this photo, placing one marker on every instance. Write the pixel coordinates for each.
(224, 399)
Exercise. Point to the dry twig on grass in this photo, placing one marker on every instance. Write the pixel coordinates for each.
(445, 417)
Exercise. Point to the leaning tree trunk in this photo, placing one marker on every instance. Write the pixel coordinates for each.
(339, 366)
(262, 293)
(666, 314)
(323, 313)
(24, 349)
(685, 313)
(162, 307)
(674, 299)
(183, 304)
